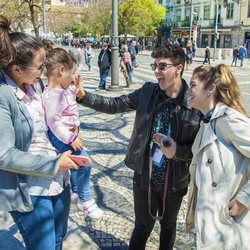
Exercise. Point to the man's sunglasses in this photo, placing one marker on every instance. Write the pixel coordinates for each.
(161, 66)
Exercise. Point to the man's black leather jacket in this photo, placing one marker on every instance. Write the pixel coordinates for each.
(144, 102)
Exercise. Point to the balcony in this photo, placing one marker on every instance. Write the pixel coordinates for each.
(181, 24)
(210, 23)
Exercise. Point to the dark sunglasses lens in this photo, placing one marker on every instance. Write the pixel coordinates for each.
(162, 66)
(153, 66)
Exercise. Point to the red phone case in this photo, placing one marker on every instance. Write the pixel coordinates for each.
(81, 160)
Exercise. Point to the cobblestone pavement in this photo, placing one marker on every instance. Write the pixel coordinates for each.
(107, 136)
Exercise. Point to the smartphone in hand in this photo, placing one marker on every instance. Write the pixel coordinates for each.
(81, 160)
(161, 140)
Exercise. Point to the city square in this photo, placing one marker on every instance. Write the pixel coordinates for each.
(209, 30)
(106, 137)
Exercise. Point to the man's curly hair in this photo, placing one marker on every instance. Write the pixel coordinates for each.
(168, 50)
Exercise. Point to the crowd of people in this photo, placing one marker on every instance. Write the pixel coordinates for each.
(206, 146)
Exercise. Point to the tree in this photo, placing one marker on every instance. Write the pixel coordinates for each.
(35, 9)
(99, 22)
(67, 18)
(140, 17)
(16, 12)
(22, 13)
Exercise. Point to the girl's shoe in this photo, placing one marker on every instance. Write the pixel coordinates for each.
(90, 208)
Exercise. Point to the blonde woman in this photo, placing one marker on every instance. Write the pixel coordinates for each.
(219, 199)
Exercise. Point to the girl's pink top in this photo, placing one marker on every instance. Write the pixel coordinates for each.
(61, 112)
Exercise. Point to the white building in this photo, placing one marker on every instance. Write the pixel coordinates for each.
(196, 19)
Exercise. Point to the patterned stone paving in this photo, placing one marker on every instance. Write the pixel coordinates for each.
(107, 137)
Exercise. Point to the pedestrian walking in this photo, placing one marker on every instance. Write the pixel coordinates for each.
(235, 55)
(189, 54)
(104, 63)
(176, 42)
(242, 54)
(125, 64)
(150, 44)
(34, 180)
(89, 54)
(161, 174)
(207, 55)
(62, 117)
(219, 199)
(193, 48)
(79, 56)
(133, 54)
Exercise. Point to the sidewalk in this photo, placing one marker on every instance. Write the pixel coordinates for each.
(201, 59)
(107, 137)
(114, 229)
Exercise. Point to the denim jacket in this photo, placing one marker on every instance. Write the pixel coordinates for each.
(16, 128)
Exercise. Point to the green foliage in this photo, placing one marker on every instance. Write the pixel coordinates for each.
(140, 17)
(77, 28)
(99, 18)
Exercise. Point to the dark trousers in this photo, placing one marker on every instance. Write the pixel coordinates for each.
(144, 223)
(103, 76)
(206, 60)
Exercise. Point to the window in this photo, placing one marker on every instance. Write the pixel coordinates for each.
(227, 41)
(230, 11)
(178, 1)
(204, 40)
(178, 15)
(187, 14)
(196, 14)
(206, 14)
(160, 1)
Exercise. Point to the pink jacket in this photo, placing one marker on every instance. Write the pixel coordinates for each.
(61, 112)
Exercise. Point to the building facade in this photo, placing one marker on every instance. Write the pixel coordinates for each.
(68, 2)
(196, 20)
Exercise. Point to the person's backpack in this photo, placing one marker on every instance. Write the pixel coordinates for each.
(241, 52)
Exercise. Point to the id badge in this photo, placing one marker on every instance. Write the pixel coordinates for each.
(157, 156)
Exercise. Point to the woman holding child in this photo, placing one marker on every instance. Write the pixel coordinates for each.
(34, 180)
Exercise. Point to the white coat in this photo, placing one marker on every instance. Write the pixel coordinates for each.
(220, 171)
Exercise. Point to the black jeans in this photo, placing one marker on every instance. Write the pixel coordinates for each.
(144, 223)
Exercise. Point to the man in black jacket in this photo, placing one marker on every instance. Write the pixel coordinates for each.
(161, 174)
(104, 63)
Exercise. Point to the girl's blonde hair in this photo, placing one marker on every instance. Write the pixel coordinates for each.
(228, 90)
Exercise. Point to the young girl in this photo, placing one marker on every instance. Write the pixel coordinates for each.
(63, 120)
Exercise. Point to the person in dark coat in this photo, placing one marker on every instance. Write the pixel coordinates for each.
(104, 64)
(207, 55)
(161, 173)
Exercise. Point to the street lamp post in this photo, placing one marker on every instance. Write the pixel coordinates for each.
(216, 28)
(44, 17)
(191, 19)
(114, 49)
(239, 27)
